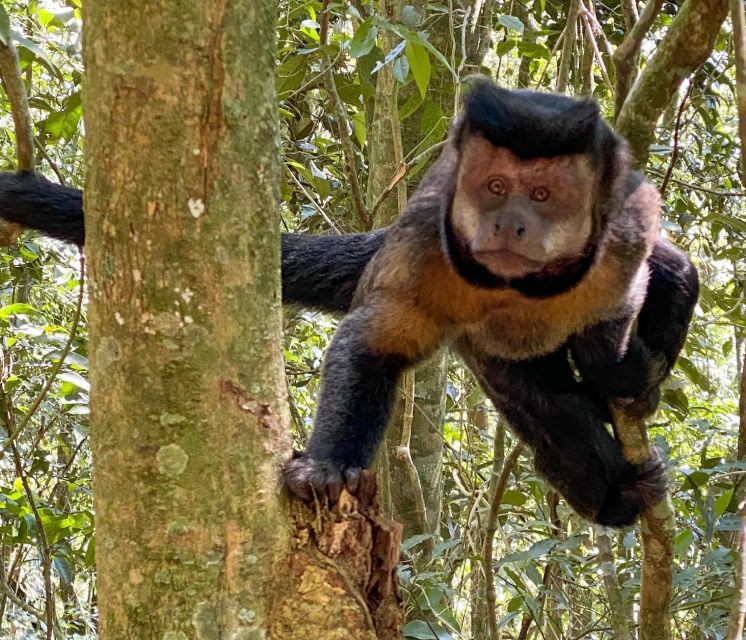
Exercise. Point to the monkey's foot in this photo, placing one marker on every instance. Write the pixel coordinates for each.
(307, 477)
(625, 501)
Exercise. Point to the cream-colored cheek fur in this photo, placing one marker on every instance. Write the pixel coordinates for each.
(568, 238)
(465, 216)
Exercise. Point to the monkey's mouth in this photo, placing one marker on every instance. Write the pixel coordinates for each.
(507, 263)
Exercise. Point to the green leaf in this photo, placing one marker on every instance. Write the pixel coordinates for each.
(419, 38)
(413, 541)
(533, 50)
(63, 125)
(696, 376)
(505, 47)
(4, 26)
(75, 379)
(682, 541)
(420, 630)
(359, 126)
(535, 552)
(63, 569)
(364, 40)
(17, 308)
(440, 548)
(410, 106)
(36, 51)
(511, 23)
(419, 63)
(722, 502)
(514, 498)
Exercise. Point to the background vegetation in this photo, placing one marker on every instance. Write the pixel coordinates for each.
(366, 92)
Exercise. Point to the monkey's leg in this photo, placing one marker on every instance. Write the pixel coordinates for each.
(370, 349)
(614, 370)
(566, 428)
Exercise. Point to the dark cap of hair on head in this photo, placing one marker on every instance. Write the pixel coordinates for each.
(532, 124)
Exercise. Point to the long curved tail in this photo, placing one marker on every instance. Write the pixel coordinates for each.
(37, 203)
(318, 272)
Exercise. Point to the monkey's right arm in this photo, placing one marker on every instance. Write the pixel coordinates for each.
(318, 271)
(370, 349)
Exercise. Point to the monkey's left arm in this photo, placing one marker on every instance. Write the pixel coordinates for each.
(608, 369)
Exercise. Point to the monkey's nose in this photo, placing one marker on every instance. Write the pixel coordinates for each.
(509, 230)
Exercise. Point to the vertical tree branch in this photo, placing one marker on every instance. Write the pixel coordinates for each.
(10, 72)
(45, 553)
(738, 606)
(627, 54)
(568, 46)
(657, 527)
(404, 454)
(676, 136)
(343, 130)
(501, 482)
(619, 621)
(12, 80)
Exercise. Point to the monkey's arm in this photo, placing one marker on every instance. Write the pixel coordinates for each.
(318, 272)
(370, 349)
(654, 344)
(565, 427)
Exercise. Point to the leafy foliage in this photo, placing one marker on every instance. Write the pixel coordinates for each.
(547, 565)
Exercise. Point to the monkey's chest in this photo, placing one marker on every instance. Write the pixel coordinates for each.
(522, 328)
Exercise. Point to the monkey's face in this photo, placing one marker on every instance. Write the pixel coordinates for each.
(518, 216)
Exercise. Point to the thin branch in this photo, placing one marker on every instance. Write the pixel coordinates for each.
(55, 368)
(403, 453)
(22, 604)
(45, 551)
(627, 53)
(676, 135)
(687, 44)
(401, 174)
(10, 72)
(592, 32)
(611, 585)
(315, 204)
(630, 13)
(698, 187)
(343, 131)
(52, 164)
(489, 571)
(568, 48)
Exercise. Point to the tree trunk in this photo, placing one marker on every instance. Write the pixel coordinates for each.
(410, 460)
(189, 418)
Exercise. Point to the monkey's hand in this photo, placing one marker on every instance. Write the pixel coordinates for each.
(307, 477)
(647, 485)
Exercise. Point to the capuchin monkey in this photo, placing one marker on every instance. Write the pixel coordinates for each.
(530, 246)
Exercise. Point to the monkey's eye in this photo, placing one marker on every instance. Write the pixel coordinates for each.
(497, 186)
(540, 194)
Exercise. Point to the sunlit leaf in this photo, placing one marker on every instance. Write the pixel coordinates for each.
(419, 63)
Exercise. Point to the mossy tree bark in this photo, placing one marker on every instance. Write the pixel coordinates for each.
(687, 44)
(189, 423)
